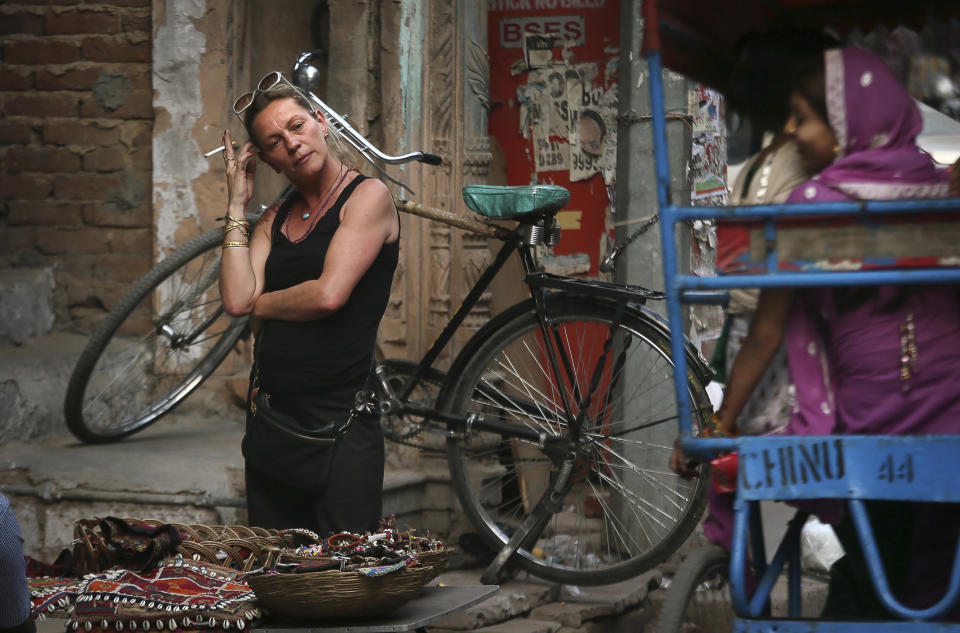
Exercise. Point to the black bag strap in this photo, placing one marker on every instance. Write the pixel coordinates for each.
(364, 402)
(260, 407)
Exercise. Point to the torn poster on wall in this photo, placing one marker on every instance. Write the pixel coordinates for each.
(708, 155)
(553, 81)
(708, 187)
(572, 121)
(537, 50)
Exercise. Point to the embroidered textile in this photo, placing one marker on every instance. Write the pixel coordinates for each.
(183, 594)
(48, 594)
(136, 545)
(60, 568)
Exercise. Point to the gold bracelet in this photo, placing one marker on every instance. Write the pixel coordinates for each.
(713, 429)
(236, 223)
(238, 244)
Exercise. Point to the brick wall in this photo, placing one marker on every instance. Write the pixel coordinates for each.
(76, 126)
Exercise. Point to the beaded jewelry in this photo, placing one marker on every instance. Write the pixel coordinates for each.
(343, 540)
(908, 351)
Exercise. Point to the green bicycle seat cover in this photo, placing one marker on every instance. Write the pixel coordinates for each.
(508, 203)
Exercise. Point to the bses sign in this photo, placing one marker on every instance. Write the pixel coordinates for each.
(561, 27)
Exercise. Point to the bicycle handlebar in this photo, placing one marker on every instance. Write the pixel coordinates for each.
(305, 78)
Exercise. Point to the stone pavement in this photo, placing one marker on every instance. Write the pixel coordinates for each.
(187, 469)
(530, 605)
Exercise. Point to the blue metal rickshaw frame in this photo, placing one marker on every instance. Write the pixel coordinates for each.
(784, 468)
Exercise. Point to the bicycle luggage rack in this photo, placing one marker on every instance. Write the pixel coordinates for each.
(593, 288)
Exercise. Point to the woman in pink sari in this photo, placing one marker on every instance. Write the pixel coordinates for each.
(874, 360)
(870, 360)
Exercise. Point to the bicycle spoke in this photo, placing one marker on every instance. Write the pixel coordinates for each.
(126, 374)
(515, 408)
(546, 376)
(636, 443)
(647, 475)
(621, 530)
(529, 387)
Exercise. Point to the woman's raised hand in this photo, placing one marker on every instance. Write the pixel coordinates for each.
(240, 171)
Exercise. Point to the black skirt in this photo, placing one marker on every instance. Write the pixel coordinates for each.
(282, 493)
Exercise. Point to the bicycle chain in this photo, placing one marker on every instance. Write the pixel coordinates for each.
(407, 442)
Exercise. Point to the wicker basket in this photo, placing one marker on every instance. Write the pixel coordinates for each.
(91, 554)
(437, 559)
(338, 595)
(240, 554)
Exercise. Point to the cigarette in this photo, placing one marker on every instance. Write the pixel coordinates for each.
(220, 149)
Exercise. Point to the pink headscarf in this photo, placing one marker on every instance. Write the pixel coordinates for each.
(876, 123)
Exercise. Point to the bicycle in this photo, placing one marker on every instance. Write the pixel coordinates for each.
(698, 598)
(558, 413)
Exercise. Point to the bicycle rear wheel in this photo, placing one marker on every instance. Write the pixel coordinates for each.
(160, 342)
(624, 511)
(698, 598)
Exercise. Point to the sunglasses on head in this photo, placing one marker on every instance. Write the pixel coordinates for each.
(270, 80)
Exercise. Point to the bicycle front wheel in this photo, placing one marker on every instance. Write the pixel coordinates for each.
(624, 511)
(698, 598)
(160, 342)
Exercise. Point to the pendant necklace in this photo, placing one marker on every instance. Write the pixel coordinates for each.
(333, 187)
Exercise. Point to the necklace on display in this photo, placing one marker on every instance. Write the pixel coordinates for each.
(342, 174)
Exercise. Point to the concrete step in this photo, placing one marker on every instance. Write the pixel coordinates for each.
(184, 469)
(530, 605)
(33, 382)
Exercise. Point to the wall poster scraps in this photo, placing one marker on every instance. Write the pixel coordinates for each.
(553, 91)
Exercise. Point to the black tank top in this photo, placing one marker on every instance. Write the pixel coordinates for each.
(332, 354)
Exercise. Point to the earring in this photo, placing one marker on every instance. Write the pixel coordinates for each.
(836, 149)
(790, 128)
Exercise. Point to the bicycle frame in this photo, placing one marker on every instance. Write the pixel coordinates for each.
(539, 284)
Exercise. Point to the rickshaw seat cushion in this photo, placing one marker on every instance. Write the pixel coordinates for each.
(509, 203)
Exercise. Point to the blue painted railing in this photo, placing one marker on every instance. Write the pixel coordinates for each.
(909, 468)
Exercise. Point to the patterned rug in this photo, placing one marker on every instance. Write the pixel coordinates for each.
(49, 594)
(184, 594)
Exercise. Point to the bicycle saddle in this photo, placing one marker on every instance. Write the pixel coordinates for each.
(511, 203)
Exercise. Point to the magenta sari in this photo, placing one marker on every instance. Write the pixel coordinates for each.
(851, 366)
(846, 364)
